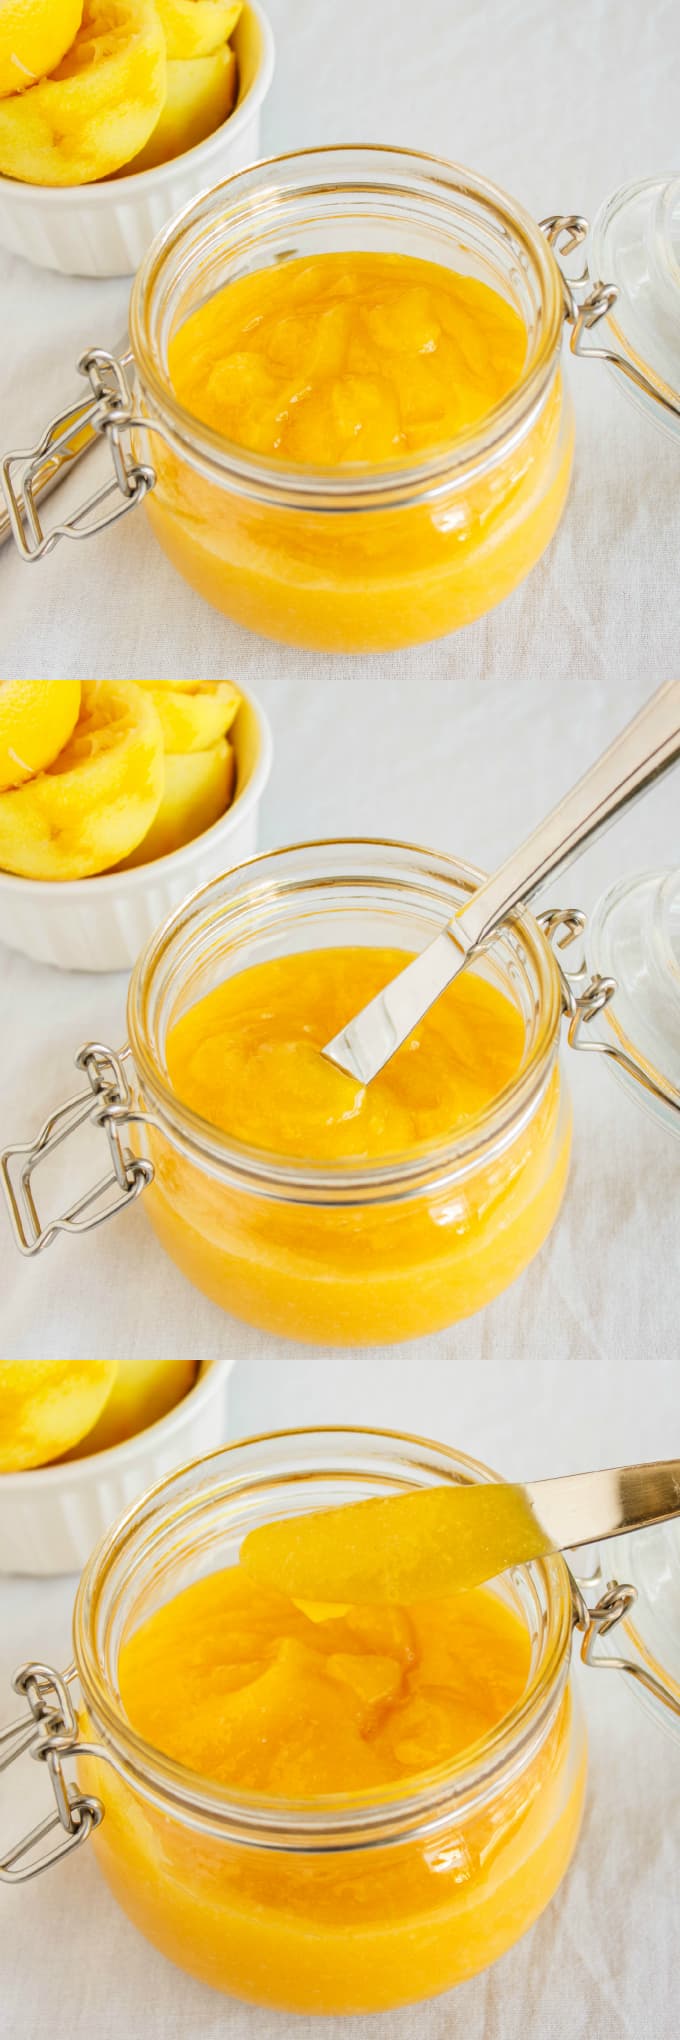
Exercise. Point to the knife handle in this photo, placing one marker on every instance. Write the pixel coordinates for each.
(644, 750)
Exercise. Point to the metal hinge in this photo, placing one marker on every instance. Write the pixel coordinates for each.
(106, 1104)
(587, 301)
(614, 1604)
(49, 1732)
(585, 996)
(110, 415)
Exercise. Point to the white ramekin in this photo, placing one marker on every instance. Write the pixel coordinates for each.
(105, 229)
(52, 1517)
(102, 923)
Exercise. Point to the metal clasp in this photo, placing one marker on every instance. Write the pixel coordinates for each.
(613, 1606)
(49, 1732)
(108, 1104)
(585, 996)
(586, 301)
(110, 415)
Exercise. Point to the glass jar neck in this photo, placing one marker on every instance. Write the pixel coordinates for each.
(348, 197)
(351, 892)
(192, 1524)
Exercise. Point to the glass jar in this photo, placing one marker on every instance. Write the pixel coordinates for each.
(634, 939)
(351, 1252)
(635, 238)
(333, 1905)
(356, 559)
(350, 559)
(344, 559)
(650, 1618)
(357, 1251)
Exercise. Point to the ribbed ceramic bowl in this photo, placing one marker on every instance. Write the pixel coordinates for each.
(102, 923)
(52, 1517)
(105, 229)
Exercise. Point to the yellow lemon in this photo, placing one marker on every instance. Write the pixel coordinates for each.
(193, 713)
(98, 798)
(34, 36)
(142, 1392)
(199, 94)
(198, 789)
(47, 1405)
(195, 28)
(37, 718)
(99, 105)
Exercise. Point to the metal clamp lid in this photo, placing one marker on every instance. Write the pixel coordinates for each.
(585, 997)
(50, 1733)
(26, 475)
(612, 1607)
(107, 1104)
(587, 300)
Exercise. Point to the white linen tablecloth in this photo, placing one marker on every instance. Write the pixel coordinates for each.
(460, 745)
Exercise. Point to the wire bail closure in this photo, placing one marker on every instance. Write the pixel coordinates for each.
(612, 1607)
(109, 414)
(587, 300)
(107, 1104)
(49, 1732)
(585, 996)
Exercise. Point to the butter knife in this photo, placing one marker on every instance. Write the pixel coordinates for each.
(467, 1533)
(645, 749)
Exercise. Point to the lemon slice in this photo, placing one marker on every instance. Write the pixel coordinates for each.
(34, 36)
(98, 107)
(36, 720)
(47, 1405)
(99, 797)
(199, 94)
(142, 1392)
(198, 789)
(193, 713)
(195, 28)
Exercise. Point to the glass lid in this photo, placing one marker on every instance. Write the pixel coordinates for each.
(648, 1637)
(635, 244)
(634, 936)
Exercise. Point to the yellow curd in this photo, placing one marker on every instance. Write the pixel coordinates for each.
(362, 1258)
(366, 458)
(342, 358)
(355, 1710)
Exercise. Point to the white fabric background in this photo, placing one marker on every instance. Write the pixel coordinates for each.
(460, 745)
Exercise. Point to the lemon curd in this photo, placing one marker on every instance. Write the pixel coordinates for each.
(346, 392)
(384, 1258)
(360, 357)
(353, 1712)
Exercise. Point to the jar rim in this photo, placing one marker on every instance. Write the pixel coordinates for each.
(439, 1161)
(341, 1821)
(373, 487)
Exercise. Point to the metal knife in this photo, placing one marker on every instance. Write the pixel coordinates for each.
(644, 750)
(466, 1533)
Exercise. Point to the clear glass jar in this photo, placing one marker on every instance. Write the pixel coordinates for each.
(360, 559)
(634, 938)
(345, 1904)
(354, 1252)
(649, 1630)
(635, 239)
